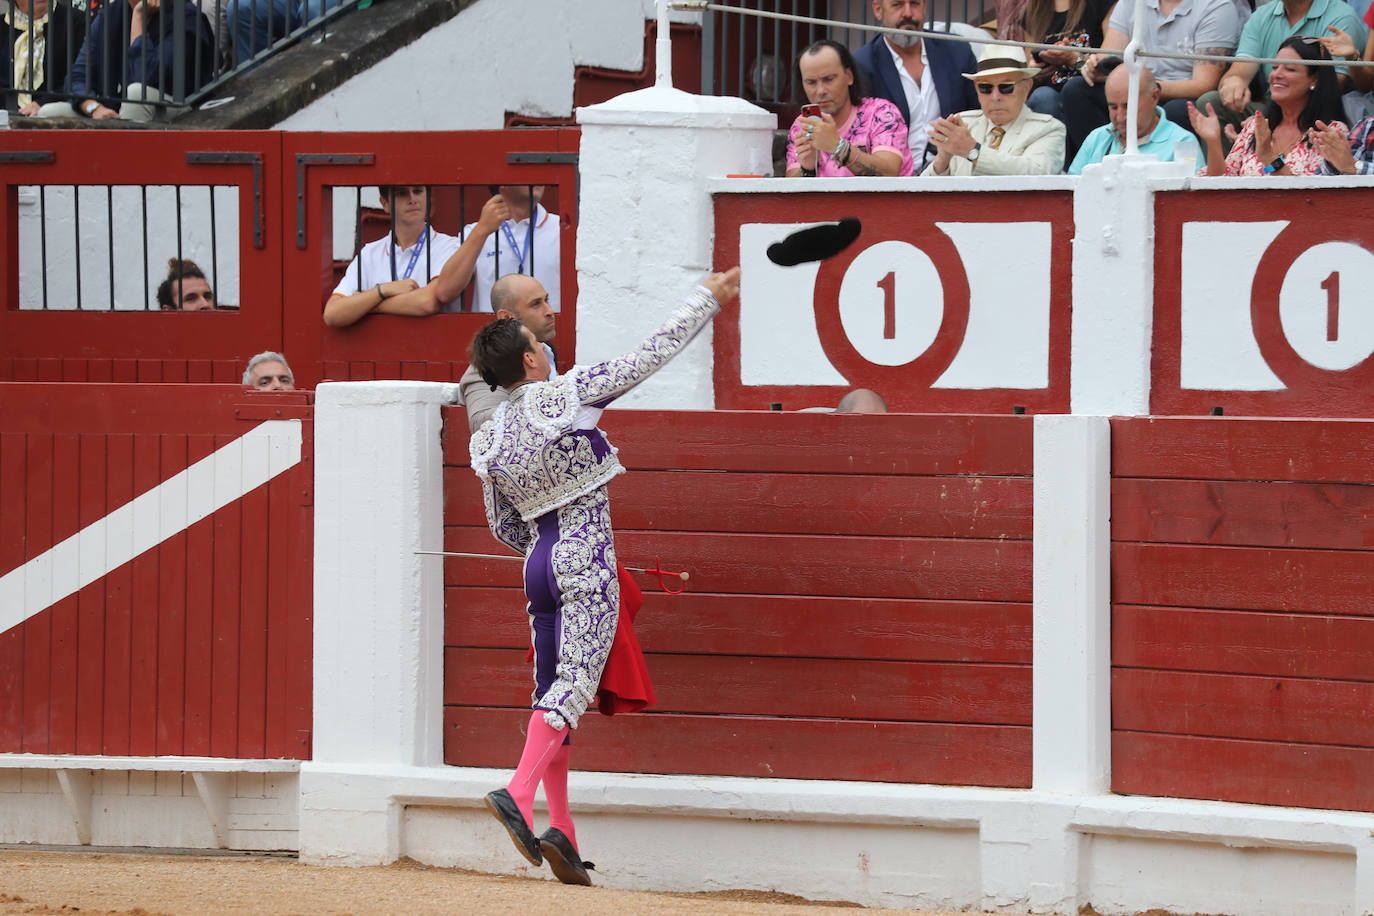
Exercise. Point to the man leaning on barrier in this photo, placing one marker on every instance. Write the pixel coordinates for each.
(130, 55)
(922, 78)
(1156, 134)
(1005, 137)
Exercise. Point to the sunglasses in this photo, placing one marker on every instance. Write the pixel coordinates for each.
(1003, 88)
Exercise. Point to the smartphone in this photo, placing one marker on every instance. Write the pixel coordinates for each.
(811, 111)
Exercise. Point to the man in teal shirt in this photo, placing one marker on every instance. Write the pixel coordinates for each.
(1156, 134)
(1261, 37)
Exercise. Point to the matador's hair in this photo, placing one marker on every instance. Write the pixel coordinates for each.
(498, 352)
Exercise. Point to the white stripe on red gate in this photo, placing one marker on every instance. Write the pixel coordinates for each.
(172, 506)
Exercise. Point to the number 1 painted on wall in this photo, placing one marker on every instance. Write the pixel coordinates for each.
(888, 285)
(1332, 285)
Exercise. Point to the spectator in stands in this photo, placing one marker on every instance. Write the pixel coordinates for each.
(268, 371)
(43, 39)
(1156, 134)
(922, 78)
(861, 400)
(1341, 155)
(1268, 30)
(853, 135)
(1359, 102)
(185, 289)
(1072, 24)
(1005, 137)
(1277, 140)
(382, 277)
(1184, 26)
(258, 24)
(513, 296)
(513, 234)
(129, 58)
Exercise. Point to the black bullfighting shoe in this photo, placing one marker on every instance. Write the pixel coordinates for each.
(508, 813)
(567, 865)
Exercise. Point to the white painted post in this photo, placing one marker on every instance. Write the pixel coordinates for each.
(1113, 284)
(1072, 606)
(663, 49)
(645, 222)
(378, 606)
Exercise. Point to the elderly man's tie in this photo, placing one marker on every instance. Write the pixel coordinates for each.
(995, 137)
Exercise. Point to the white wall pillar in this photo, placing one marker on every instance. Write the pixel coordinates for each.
(1113, 283)
(645, 231)
(1071, 709)
(378, 606)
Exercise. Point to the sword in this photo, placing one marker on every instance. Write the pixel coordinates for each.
(658, 571)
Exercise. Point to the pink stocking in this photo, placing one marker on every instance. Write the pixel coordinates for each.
(541, 741)
(556, 791)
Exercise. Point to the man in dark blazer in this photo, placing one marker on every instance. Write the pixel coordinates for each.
(934, 71)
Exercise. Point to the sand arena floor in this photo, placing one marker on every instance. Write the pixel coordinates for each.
(67, 883)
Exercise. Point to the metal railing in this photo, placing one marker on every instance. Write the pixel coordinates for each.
(96, 49)
(756, 59)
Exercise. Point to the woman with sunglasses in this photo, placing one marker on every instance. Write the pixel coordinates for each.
(1278, 139)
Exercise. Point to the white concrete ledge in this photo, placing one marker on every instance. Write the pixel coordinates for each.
(147, 764)
(889, 185)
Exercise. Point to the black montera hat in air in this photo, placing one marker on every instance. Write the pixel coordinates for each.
(815, 243)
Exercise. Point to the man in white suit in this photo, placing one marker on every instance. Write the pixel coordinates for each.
(1004, 137)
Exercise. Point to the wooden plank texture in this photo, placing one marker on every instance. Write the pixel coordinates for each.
(790, 687)
(1244, 578)
(973, 507)
(767, 625)
(1259, 772)
(788, 442)
(1224, 448)
(1238, 642)
(1244, 513)
(1296, 710)
(928, 568)
(760, 746)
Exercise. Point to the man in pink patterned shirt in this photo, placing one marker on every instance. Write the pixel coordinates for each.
(852, 135)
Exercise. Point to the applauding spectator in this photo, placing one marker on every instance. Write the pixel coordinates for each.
(1359, 103)
(130, 60)
(1005, 137)
(853, 135)
(1276, 141)
(1345, 156)
(1272, 26)
(45, 39)
(1155, 134)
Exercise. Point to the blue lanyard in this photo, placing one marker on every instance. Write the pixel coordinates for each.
(414, 255)
(529, 240)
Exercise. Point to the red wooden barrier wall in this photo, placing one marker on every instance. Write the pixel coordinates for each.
(284, 282)
(859, 606)
(198, 647)
(1243, 610)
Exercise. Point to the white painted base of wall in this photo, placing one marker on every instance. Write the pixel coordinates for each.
(142, 802)
(869, 843)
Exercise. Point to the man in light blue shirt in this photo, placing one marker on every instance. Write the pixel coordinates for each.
(1156, 134)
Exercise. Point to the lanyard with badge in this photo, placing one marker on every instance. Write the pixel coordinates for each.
(515, 247)
(414, 255)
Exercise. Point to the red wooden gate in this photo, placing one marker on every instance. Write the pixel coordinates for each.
(859, 606)
(199, 646)
(1243, 610)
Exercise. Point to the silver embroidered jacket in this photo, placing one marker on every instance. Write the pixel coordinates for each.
(528, 455)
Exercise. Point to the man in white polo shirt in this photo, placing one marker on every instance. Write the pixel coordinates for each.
(513, 235)
(386, 275)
